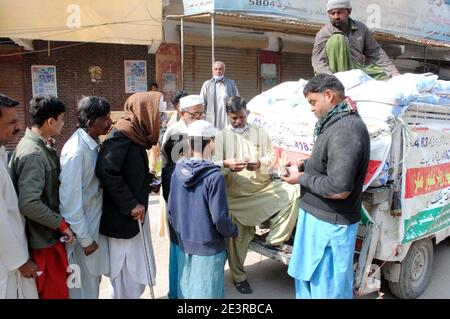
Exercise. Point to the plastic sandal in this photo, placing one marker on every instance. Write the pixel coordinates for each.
(243, 287)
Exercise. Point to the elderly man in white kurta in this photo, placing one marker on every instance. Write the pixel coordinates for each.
(81, 199)
(215, 92)
(15, 262)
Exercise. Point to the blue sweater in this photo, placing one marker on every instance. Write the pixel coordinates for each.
(198, 208)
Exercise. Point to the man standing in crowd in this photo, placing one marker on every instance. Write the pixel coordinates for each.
(215, 92)
(192, 108)
(345, 44)
(331, 181)
(180, 128)
(34, 169)
(17, 271)
(254, 197)
(81, 196)
(122, 167)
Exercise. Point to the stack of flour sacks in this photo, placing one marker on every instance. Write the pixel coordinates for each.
(383, 100)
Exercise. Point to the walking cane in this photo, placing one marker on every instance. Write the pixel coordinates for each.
(147, 266)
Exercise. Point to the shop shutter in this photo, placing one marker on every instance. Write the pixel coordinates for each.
(241, 66)
(295, 66)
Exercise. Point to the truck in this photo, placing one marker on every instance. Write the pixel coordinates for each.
(403, 219)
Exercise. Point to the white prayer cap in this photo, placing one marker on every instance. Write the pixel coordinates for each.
(202, 128)
(338, 4)
(190, 100)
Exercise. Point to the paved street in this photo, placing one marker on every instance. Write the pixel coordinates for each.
(269, 279)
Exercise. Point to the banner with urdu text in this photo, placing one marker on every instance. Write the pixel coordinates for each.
(417, 19)
(426, 182)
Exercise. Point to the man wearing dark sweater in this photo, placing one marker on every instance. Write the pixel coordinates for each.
(331, 181)
(198, 212)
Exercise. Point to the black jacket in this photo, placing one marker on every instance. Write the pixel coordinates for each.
(338, 164)
(122, 168)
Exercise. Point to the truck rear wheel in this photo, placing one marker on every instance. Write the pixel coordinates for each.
(415, 270)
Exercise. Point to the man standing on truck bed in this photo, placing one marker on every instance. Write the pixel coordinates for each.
(330, 205)
(345, 44)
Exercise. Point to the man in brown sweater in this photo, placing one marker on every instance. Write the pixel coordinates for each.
(345, 44)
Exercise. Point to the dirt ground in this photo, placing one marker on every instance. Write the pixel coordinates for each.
(269, 278)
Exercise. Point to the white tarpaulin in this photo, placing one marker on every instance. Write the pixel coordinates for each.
(286, 115)
(106, 21)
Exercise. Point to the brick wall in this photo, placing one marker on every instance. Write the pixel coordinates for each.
(11, 82)
(73, 78)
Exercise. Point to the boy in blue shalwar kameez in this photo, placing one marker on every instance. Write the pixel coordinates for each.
(198, 212)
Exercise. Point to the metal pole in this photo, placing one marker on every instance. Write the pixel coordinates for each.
(147, 266)
(182, 54)
(212, 40)
(425, 67)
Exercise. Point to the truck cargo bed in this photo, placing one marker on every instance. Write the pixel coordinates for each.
(260, 246)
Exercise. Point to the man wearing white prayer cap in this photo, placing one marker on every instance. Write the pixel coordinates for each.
(192, 108)
(346, 44)
(190, 101)
(339, 4)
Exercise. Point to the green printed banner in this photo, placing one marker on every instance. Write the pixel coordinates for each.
(426, 223)
(425, 182)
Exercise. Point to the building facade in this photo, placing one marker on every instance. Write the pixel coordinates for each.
(74, 79)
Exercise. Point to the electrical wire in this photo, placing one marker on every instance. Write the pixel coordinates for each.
(76, 30)
(36, 30)
(20, 31)
(73, 45)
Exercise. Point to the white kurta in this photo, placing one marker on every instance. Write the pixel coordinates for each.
(177, 128)
(218, 117)
(13, 243)
(81, 206)
(128, 266)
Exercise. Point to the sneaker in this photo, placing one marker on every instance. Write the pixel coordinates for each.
(243, 287)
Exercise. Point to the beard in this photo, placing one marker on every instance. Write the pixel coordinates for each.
(337, 23)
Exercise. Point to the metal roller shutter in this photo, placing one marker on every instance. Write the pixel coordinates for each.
(295, 66)
(241, 66)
